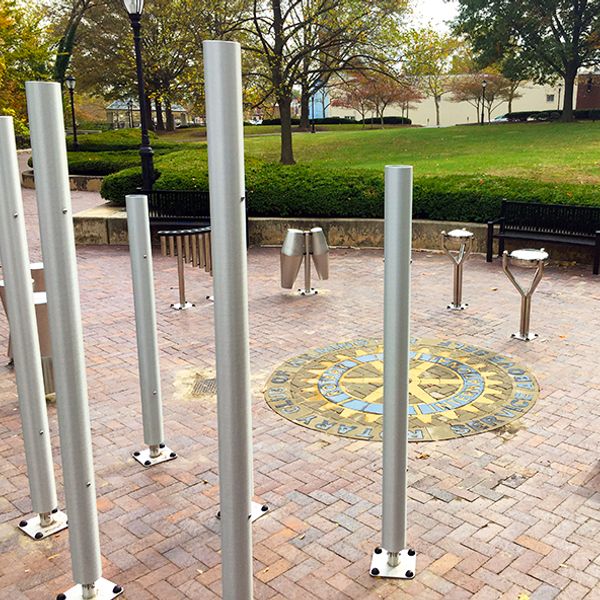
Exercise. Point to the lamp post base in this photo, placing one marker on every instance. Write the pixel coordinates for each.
(146, 458)
(524, 338)
(257, 510)
(104, 590)
(457, 306)
(35, 529)
(404, 569)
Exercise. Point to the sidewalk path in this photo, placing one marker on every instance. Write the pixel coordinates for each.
(508, 512)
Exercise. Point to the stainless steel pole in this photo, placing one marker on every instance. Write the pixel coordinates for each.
(458, 283)
(223, 85)
(25, 344)
(393, 559)
(58, 247)
(307, 288)
(140, 252)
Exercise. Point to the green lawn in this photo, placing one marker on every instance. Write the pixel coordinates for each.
(555, 152)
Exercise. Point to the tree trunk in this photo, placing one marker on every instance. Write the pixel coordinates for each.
(285, 113)
(304, 116)
(437, 109)
(148, 107)
(169, 115)
(160, 124)
(571, 74)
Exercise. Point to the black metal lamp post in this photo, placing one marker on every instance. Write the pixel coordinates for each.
(483, 86)
(130, 112)
(134, 8)
(70, 83)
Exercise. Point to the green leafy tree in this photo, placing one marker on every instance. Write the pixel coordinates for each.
(547, 38)
(24, 55)
(302, 43)
(428, 55)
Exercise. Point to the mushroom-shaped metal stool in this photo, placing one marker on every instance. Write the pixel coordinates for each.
(530, 259)
(458, 256)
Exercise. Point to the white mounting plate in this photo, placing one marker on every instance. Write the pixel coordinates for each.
(406, 568)
(185, 306)
(457, 306)
(144, 458)
(526, 338)
(33, 527)
(105, 590)
(257, 510)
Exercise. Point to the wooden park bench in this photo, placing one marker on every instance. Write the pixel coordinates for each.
(549, 223)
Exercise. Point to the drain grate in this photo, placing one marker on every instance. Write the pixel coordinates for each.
(203, 386)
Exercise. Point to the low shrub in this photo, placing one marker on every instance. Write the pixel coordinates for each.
(116, 140)
(310, 190)
(278, 122)
(386, 121)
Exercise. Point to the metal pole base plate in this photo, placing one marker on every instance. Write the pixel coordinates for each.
(33, 528)
(406, 568)
(144, 458)
(105, 590)
(257, 510)
(185, 306)
(311, 292)
(457, 306)
(524, 338)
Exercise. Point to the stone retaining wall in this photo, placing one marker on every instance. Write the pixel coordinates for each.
(77, 183)
(107, 224)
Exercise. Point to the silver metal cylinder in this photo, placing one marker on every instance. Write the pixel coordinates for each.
(398, 238)
(23, 327)
(46, 121)
(458, 284)
(307, 261)
(140, 252)
(223, 85)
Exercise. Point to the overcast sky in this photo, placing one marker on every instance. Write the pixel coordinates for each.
(435, 12)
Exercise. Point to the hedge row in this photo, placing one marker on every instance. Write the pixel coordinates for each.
(118, 139)
(315, 191)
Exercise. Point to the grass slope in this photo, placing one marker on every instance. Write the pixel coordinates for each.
(553, 152)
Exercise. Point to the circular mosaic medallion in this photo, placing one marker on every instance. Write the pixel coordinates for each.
(455, 390)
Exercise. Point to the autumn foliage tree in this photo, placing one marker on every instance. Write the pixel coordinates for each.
(468, 87)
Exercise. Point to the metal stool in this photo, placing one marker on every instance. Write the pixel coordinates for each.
(189, 246)
(465, 239)
(529, 259)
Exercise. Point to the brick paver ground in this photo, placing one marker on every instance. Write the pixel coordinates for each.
(512, 513)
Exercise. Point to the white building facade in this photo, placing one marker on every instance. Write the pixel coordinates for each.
(533, 97)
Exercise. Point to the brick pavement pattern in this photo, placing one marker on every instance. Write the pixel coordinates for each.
(512, 513)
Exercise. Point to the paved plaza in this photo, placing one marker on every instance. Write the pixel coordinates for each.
(511, 512)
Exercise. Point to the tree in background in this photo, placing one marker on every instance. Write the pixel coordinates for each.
(427, 55)
(550, 37)
(304, 42)
(354, 94)
(66, 17)
(468, 88)
(24, 55)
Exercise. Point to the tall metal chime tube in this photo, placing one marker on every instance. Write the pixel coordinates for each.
(394, 559)
(23, 326)
(48, 145)
(222, 72)
(140, 250)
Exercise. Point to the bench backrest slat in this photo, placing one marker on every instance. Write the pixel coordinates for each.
(558, 219)
(179, 205)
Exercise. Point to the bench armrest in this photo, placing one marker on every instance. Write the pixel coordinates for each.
(496, 221)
